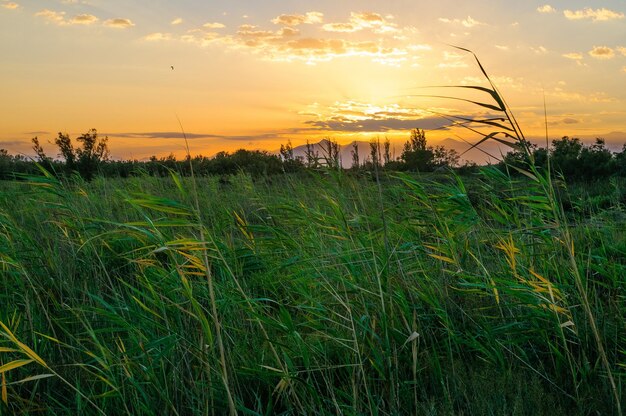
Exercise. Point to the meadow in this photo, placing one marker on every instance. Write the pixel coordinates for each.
(313, 293)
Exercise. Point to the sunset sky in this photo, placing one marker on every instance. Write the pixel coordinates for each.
(254, 74)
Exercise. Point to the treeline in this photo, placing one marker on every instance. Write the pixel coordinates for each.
(572, 158)
(88, 156)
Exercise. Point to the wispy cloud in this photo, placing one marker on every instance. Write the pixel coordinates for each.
(453, 60)
(469, 22)
(10, 5)
(52, 16)
(83, 19)
(287, 44)
(361, 21)
(602, 52)
(354, 116)
(119, 23)
(546, 8)
(176, 21)
(157, 36)
(573, 55)
(298, 19)
(596, 15)
(59, 18)
(192, 136)
(214, 25)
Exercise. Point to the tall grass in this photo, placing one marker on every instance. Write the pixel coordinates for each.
(313, 294)
(107, 284)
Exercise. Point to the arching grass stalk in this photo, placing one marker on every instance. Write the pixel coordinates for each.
(210, 282)
(509, 133)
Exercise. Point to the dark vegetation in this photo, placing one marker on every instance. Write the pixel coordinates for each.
(567, 156)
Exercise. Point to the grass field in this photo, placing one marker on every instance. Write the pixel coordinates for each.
(313, 294)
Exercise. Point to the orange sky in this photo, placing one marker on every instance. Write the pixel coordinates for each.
(254, 74)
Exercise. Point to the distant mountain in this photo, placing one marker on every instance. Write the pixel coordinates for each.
(476, 155)
(345, 151)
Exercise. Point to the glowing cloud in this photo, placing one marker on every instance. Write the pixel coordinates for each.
(83, 19)
(546, 8)
(214, 25)
(10, 5)
(176, 21)
(157, 36)
(364, 20)
(595, 15)
(468, 23)
(602, 52)
(119, 23)
(298, 19)
(573, 55)
(52, 16)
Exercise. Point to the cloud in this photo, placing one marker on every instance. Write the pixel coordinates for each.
(191, 136)
(602, 52)
(119, 23)
(298, 19)
(177, 21)
(214, 25)
(540, 50)
(288, 44)
(157, 36)
(10, 5)
(83, 19)
(570, 121)
(595, 15)
(453, 60)
(363, 20)
(621, 50)
(468, 23)
(375, 125)
(502, 47)
(573, 55)
(340, 27)
(52, 16)
(546, 8)
(59, 18)
(624, 69)
(354, 116)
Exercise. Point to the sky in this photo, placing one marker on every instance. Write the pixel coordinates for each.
(254, 74)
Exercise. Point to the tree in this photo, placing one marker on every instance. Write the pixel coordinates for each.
(355, 155)
(415, 154)
(443, 157)
(387, 151)
(86, 159)
(330, 152)
(66, 150)
(93, 152)
(565, 154)
(286, 151)
(596, 161)
(375, 152)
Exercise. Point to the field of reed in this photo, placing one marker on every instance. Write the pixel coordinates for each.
(312, 294)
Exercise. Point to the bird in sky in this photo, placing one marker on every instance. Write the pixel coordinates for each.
(172, 66)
